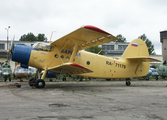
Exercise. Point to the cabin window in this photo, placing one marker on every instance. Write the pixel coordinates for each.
(160, 69)
(62, 57)
(67, 58)
(43, 46)
(56, 56)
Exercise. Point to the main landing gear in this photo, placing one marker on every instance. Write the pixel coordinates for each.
(38, 81)
(128, 83)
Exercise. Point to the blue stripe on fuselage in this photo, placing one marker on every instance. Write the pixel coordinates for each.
(21, 53)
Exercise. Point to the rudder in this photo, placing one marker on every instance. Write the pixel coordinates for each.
(135, 55)
(135, 49)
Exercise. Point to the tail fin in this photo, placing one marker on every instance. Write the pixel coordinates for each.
(137, 57)
(136, 48)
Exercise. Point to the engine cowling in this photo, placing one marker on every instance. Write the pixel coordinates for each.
(21, 53)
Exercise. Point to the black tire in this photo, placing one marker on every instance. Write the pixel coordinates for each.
(10, 79)
(39, 83)
(128, 83)
(17, 85)
(32, 82)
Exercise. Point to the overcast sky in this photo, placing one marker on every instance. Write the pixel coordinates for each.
(131, 18)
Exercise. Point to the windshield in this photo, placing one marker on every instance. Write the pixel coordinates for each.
(43, 46)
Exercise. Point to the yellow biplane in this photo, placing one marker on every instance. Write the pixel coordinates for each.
(67, 56)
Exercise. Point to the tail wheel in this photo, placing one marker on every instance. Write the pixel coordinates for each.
(128, 83)
(39, 83)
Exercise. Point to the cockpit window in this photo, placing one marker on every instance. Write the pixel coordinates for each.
(164, 63)
(6, 70)
(43, 46)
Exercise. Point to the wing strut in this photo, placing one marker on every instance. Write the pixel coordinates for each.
(74, 52)
(44, 74)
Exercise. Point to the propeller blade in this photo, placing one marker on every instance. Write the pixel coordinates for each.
(10, 51)
(12, 45)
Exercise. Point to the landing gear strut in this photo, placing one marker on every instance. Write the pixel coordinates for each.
(128, 83)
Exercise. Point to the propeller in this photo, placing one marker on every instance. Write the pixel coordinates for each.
(10, 51)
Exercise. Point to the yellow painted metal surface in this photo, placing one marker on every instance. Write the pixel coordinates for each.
(67, 57)
(133, 63)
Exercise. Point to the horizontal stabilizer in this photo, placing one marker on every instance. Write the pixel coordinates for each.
(70, 68)
(143, 59)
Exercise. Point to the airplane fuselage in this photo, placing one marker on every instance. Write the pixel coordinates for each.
(102, 66)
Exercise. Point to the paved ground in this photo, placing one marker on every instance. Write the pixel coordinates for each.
(143, 100)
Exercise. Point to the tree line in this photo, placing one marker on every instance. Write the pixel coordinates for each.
(31, 37)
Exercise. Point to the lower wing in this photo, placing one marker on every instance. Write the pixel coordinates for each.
(70, 68)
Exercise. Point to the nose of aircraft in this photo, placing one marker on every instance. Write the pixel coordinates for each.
(21, 53)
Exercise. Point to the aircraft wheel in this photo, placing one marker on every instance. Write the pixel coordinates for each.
(10, 79)
(39, 83)
(128, 83)
(31, 81)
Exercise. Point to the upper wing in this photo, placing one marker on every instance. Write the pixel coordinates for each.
(69, 68)
(144, 59)
(84, 37)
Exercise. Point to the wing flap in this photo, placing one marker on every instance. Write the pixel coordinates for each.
(85, 37)
(70, 68)
(144, 59)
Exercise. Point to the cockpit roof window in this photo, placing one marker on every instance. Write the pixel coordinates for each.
(43, 46)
